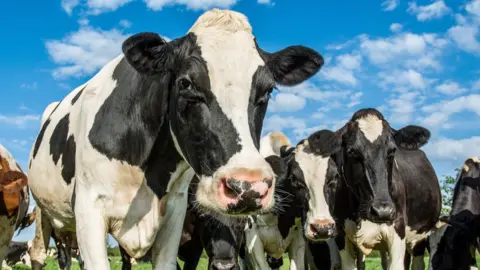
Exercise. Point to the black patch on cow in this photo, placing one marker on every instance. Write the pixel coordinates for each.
(77, 96)
(323, 143)
(261, 89)
(63, 145)
(40, 137)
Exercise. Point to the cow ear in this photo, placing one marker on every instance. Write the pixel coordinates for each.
(293, 64)
(324, 142)
(148, 53)
(286, 151)
(412, 137)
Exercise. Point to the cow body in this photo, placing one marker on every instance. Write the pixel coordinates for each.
(118, 153)
(14, 199)
(453, 244)
(18, 253)
(390, 197)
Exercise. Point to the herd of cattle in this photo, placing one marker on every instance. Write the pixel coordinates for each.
(169, 133)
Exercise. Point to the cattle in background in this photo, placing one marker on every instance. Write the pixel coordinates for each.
(18, 253)
(302, 210)
(453, 245)
(14, 199)
(388, 197)
(117, 153)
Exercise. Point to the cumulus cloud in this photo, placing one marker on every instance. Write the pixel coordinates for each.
(450, 88)
(476, 85)
(19, 120)
(69, 5)
(286, 102)
(396, 27)
(32, 85)
(279, 123)
(125, 23)
(439, 113)
(190, 4)
(85, 51)
(343, 71)
(389, 5)
(403, 78)
(451, 149)
(402, 106)
(466, 32)
(265, 2)
(435, 10)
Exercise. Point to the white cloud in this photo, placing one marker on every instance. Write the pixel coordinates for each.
(83, 22)
(396, 27)
(404, 78)
(305, 132)
(85, 51)
(476, 85)
(265, 2)
(125, 23)
(451, 149)
(69, 5)
(309, 90)
(450, 88)
(473, 8)
(439, 113)
(355, 100)
(190, 4)
(350, 61)
(465, 36)
(435, 10)
(278, 123)
(286, 102)
(32, 85)
(101, 6)
(389, 5)
(339, 74)
(18, 120)
(402, 107)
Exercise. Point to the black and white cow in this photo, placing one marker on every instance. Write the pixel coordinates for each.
(303, 210)
(117, 154)
(388, 197)
(453, 245)
(17, 253)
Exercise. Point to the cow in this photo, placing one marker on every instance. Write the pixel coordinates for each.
(18, 253)
(453, 244)
(301, 213)
(388, 197)
(117, 154)
(14, 199)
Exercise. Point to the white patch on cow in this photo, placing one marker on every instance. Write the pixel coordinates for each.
(314, 168)
(48, 111)
(413, 238)
(9, 158)
(348, 257)
(371, 127)
(227, 45)
(475, 159)
(434, 239)
(7, 228)
(271, 143)
(264, 236)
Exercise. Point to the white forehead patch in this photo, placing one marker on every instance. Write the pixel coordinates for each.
(371, 126)
(314, 169)
(227, 45)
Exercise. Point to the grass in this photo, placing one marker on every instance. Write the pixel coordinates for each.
(372, 263)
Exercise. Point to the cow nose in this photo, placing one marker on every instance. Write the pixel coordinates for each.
(322, 229)
(383, 210)
(223, 265)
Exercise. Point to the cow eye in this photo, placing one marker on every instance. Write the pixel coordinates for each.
(184, 84)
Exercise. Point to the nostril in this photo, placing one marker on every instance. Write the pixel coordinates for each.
(235, 186)
(268, 182)
(315, 228)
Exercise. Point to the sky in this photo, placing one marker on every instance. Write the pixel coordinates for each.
(415, 61)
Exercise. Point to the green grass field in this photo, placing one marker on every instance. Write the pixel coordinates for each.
(373, 263)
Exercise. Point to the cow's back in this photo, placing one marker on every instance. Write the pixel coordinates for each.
(421, 189)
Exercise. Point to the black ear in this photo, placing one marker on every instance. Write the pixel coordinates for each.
(324, 142)
(148, 53)
(412, 137)
(285, 151)
(293, 64)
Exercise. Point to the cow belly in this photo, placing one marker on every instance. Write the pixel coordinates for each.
(412, 238)
(370, 235)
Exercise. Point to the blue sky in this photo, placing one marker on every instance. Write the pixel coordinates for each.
(416, 61)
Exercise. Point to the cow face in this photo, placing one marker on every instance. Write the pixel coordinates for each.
(314, 168)
(220, 83)
(368, 150)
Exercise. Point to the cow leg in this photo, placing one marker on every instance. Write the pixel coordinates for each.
(384, 259)
(473, 263)
(255, 253)
(167, 241)
(360, 259)
(347, 254)
(62, 257)
(296, 251)
(7, 230)
(396, 254)
(126, 264)
(43, 230)
(418, 262)
(335, 261)
(91, 228)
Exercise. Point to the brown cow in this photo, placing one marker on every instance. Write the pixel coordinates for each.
(14, 199)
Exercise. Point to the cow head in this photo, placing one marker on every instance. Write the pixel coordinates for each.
(313, 169)
(220, 83)
(368, 146)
